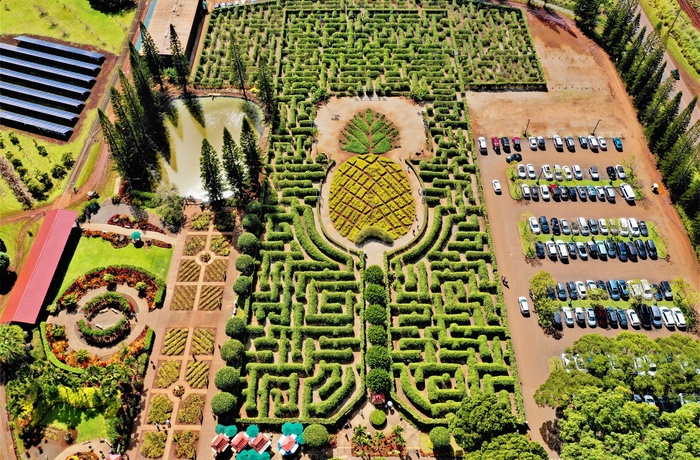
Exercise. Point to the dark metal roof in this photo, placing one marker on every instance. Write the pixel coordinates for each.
(41, 112)
(77, 53)
(50, 59)
(43, 83)
(47, 71)
(41, 97)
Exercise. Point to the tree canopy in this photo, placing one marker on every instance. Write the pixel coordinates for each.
(481, 418)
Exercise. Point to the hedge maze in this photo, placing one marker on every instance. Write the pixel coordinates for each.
(446, 325)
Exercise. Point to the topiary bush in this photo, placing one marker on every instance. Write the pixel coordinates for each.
(377, 418)
(376, 335)
(245, 264)
(242, 285)
(379, 381)
(223, 403)
(248, 243)
(440, 437)
(251, 223)
(227, 379)
(232, 351)
(376, 315)
(374, 275)
(315, 435)
(375, 294)
(378, 357)
(236, 328)
(254, 207)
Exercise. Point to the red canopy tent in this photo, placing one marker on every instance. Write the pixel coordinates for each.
(33, 283)
(240, 441)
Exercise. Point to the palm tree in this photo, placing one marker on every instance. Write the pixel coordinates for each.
(397, 431)
(12, 346)
(360, 431)
(378, 438)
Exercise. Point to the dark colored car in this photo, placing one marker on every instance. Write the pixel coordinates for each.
(651, 248)
(613, 290)
(583, 140)
(612, 173)
(592, 249)
(645, 316)
(556, 319)
(572, 193)
(564, 192)
(571, 287)
(505, 144)
(601, 285)
(632, 251)
(611, 248)
(572, 249)
(561, 291)
(624, 292)
(622, 251)
(656, 290)
(544, 226)
(666, 290)
(601, 315)
(612, 316)
(516, 143)
(641, 248)
(593, 225)
(514, 157)
(556, 230)
(622, 317)
(556, 191)
(570, 144)
(643, 229)
(539, 249)
(535, 192)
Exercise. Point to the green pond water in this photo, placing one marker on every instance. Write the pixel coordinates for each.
(186, 139)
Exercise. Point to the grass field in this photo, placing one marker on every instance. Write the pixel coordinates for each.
(89, 164)
(90, 423)
(94, 252)
(70, 20)
(10, 235)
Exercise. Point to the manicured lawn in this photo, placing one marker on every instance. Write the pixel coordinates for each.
(70, 20)
(90, 423)
(8, 202)
(94, 252)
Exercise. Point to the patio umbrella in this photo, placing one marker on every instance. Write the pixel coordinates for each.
(230, 430)
(136, 236)
(252, 431)
(297, 428)
(244, 455)
(219, 428)
(300, 439)
(287, 428)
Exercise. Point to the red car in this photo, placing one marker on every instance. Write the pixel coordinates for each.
(602, 316)
(495, 143)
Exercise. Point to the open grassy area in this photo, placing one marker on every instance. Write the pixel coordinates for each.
(90, 423)
(70, 20)
(89, 164)
(94, 252)
(8, 202)
(10, 235)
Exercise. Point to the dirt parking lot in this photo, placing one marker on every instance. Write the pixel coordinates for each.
(583, 88)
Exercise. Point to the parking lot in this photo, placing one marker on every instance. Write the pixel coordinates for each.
(583, 88)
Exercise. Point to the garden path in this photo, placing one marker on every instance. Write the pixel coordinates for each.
(129, 231)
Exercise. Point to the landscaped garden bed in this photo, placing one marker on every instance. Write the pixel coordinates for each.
(203, 341)
(210, 298)
(122, 220)
(183, 297)
(197, 374)
(191, 408)
(174, 341)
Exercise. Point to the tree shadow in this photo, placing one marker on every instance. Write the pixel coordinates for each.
(63, 264)
(194, 107)
(550, 435)
(7, 281)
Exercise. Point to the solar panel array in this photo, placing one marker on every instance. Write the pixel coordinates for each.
(44, 85)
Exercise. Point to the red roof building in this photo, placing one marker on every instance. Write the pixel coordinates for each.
(260, 443)
(219, 443)
(29, 292)
(240, 441)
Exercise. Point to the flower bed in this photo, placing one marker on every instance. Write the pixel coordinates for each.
(105, 301)
(191, 409)
(124, 221)
(89, 455)
(119, 241)
(386, 447)
(123, 274)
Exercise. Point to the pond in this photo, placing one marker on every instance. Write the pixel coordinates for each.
(187, 135)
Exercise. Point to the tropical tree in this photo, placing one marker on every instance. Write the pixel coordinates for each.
(210, 173)
(398, 431)
(251, 152)
(151, 55)
(481, 418)
(378, 437)
(12, 346)
(266, 87)
(238, 65)
(586, 12)
(232, 154)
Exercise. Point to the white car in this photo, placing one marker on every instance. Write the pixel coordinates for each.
(634, 226)
(534, 225)
(620, 172)
(565, 227)
(633, 317)
(581, 290)
(482, 144)
(533, 143)
(590, 284)
(558, 143)
(567, 172)
(603, 227)
(551, 249)
(600, 192)
(680, 318)
(544, 191)
(667, 317)
(525, 189)
(562, 250)
(557, 173)
(547, 172)
(578, 174)
(521, 171)
(531, 174)
(568, 315)
(603, 145)
(524, 307)
(593, 143)
(624, 228)
(646, 290)
(496, 186)
(590, 317)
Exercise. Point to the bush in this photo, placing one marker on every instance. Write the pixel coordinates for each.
(58, 171)
(315, 435)
(236, 328)
(248, 243)
(223, 403)
(375, 294)
(373, 233)
(4, 261)
(153, 444)
(374, 275)
(377, 418)
(379, 381)
(440, 437)
(245, 264)
(232, 351)
(376, 315)
(378, 357)
(251, 223)
(242, 285)
(254, 207)
(227, 379)
(376, 335)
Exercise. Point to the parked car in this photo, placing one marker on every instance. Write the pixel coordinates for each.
(539, 249)
(535, 192)
(632, 251)
(570, 144)
(571, 289)
(612, 316)
(603, 226)
(530, 171)
(572, 249)
(558, 143)
(645, 316)
(568, 175)
(622, 251)
(656, 292)
(635, 289)
(551, 249)
(505, 144)
(592, 248)
(602, 250)
(610, 193)
(581, 190)
(593, 143)
(623, 227)
(522, 174)
(667, 318)
(593, 225)
(633, 226)
(565, 228)
(540, 143)
(592, 194)
(602, 144)
(666, 290)
(578, 174)
(525, 191)
(496, 186)
(590, 317)
(593, 171)
(568, 316)
(651, 248)
(581, 250)
(624, 292)
(611, 248)
(584, 229)
(533, 143)
(514, 157)
(482, 144)
(643, 229)
(580, 316)
(621, 172)
(556, 319)
(646, 289)
(621, 317)
(554, 222)
(679, 317)
(562, 250)
(612, 174)
(581, 289)
(641, 248)
(547, 172)
(617, 142)
(534, 225)
(544, 190)
(583, 141)
(523, 305)
(516, 144)
(633, 318)
(558, 176)
(543, 224)
(601, 316)
(555, 191)
(656, 318)
(496, 144)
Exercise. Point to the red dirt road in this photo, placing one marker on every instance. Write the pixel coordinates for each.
(583, 87)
